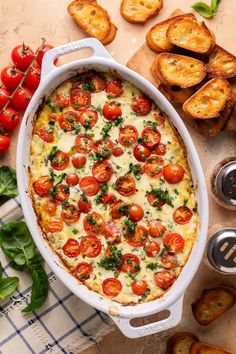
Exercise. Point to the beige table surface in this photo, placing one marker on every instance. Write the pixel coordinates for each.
(30, 20)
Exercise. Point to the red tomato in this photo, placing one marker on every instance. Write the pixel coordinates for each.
(72, 179)
(21, 98)
(111, 111)
(108, 198)
(156, 228)
(152, 249)
(84, 205)
(62, 101)
(41, 53)
(46, 134)
(126, 185)
(83, 143)
(155, 201)
(115, 209)
(62, 192)
(94, 223)
(128, 135)
(135, 212)
(99, 83)
(130, 263)
(78, 161)
(160, 119)
(174, 241)
(90, 246)
(114, 88)
(83, 271)
(67, 121)
(9, 119)
(80, 99)
(152, 166)
(42, 186)
(111, 287)
(139, 287)
(50, 207)
(32, 78)
(88, 118)
(164, 279)
(102, 171)
(113, 233)
(151, 137)
(71, 248)
(4, 94)
(173, 173)
(160, 149)
(182, 215)
(60, 160)
(141, 105)
(11, 77)
(117, 151)
(70, 214)
(89, 185)
(141, 153)
(104, 147)
(54, 225)
(139, 238)
(22, 56)
(169, 261)
(4, 143)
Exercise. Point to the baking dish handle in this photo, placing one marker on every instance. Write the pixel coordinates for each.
(87, 43)
(174, 318)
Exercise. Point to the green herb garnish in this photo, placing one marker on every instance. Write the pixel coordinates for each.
(205, 10)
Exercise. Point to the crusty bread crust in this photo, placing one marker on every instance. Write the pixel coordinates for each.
(139, 11)
(180, 343)
(111, 35)
(221, 63)
(204, 348)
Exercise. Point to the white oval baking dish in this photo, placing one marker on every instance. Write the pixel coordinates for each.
(173, 300)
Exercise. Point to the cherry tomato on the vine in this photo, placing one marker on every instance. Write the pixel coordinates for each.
(22, 56)
(4, 94)
(21, 98)
(41, 53)
(11, 77)
(9, 119)
(32, 79)
(4, 143)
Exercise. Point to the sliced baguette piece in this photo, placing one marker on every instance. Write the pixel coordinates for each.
(213, 303)
(180, 343)
(156, 36)
(204, 348)
(221, 63)
(111, 35)
(175, 94)
(191, 35)
(139, 11)
(90, 17)
(209, 100)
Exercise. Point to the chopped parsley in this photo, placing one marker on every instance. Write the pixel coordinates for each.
(150, 124)
(88, 86)
(164, 250)
(114, 261)
(185, 202)
(153, 266)
(195, 209)
(136, 169)
(131, 226)
(52, 191)
(91, 220)
(109, 125)
(163, 195)
(52, 106)
(176, 191)
(75, 231)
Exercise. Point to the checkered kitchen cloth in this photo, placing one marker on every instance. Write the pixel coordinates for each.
(65, 324)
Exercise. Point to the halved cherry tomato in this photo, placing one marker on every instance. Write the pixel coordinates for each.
(42, 186)
(174, 241)
(83, 143)
(9, 119)
(153, 166)
(130, 263)
(135, 212)
(126, 186)
(104, 147)
(84, 205)
(4, 96)
(139, 287)
(111, 111)
(151, 137)
(62, 192)
(102, 171)
(141, 105)
(50, 207)
(116, 209)
(160, 119)
(139, 238)
(94, 223)
(41, 53)
(117, 151)
(164, 279)
(70, 214)
(182, 215)
(152, 248)
(80, 99)
(128, 135)
(141, 153)
(46, 134)
(90, 246)
(108, 198)
(5, 143)
(99, 83)
(71, 248)
(68, 120)
(89, 185)
(83, 271)
(21, 98)
(114, 88)
(54, 225)
(160, 149)
(32, 78)
(88, 118)
(155, 201)
(156, 228)
(11, 77)
(111, 287)
(169, 261)
(62, 101)
(78, 161)
(60, 160)
(173, 173)
(72, 179)
(22, 56)
(113, 233)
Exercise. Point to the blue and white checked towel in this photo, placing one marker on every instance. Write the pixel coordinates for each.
(65, 324)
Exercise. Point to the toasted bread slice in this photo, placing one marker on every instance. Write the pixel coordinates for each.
(179, 70)
(209, 100)
(111, 35)
(156, 36)
(204, 348)
(90, 17)
(221, 63)
(191, 35)
(139, 11)
(180, 343)
(175, 94)
(212, 304)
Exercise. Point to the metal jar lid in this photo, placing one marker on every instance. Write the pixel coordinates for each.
(225, 183)
(221, 250)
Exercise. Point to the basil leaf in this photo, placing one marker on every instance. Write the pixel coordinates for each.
(8, 286)
(1, 270)
(8, 185)
(214, 5)
(40, 289)
(203, 9)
